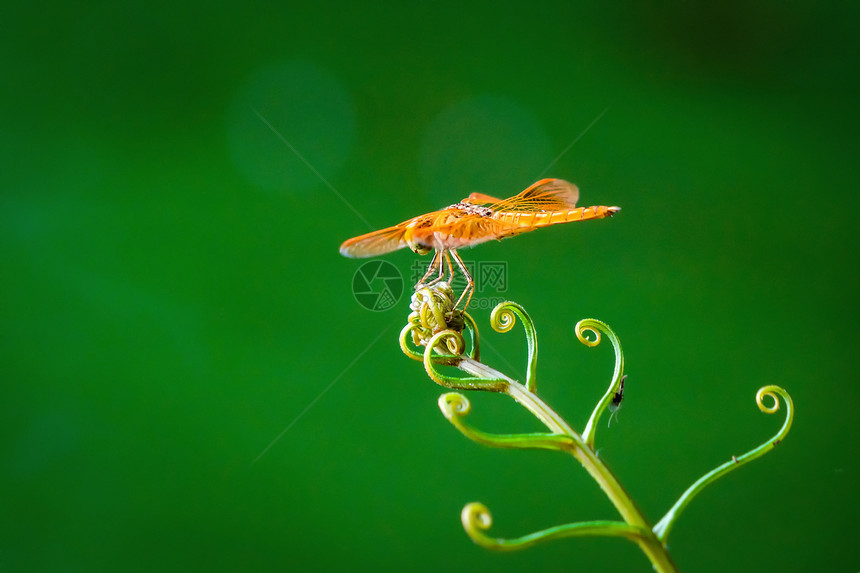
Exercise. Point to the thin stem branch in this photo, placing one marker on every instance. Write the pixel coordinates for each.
(665, 524)
(476, 518)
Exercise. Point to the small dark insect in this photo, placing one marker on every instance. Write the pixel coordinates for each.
(616, 401)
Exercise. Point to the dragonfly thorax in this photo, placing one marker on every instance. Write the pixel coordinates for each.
(471, 209)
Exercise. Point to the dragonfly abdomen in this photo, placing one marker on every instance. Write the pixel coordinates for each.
(543, 219)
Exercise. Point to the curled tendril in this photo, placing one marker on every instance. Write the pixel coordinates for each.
(770, 392)
(453, 342)
(759, 400)
(433, 311)
(597, 327)
(503, 318)
(584, 326)
(774, 392)
(477, 519)
(450, 340)
(404, 346)
(454, 404)
(455, 407)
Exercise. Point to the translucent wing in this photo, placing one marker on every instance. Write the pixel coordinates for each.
(474, 230)
(481, 199)
(375, 243)
(545, 195)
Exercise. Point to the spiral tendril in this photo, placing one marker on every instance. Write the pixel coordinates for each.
(775, 392)
(769, 392)
(502, 319)
(454, 404)
(475, 515)
(581, 328)
(453, 342)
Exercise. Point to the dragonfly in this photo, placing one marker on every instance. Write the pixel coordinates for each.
(476, 219)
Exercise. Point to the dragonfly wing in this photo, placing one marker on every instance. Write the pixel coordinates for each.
(545, 195)
(375, 243)
(481, 199)
(471, 231)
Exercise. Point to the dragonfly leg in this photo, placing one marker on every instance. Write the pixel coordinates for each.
(470, 283)
(421, 284)
(450, 268)
(443, 257)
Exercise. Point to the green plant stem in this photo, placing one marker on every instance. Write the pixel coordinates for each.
(648, 543)
(476, 518)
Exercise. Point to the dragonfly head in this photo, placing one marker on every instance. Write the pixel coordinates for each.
(419, 248)
(414, 243)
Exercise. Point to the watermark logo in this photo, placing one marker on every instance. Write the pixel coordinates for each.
(489, 276)
(492, 274)
(377, 285)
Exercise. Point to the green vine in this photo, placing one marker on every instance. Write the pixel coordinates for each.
(434, 335)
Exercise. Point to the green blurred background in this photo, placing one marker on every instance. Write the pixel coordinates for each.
(173, 297)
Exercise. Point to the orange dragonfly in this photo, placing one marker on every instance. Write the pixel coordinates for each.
(476, 219)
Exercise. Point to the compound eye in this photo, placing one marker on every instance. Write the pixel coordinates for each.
(420, 249)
